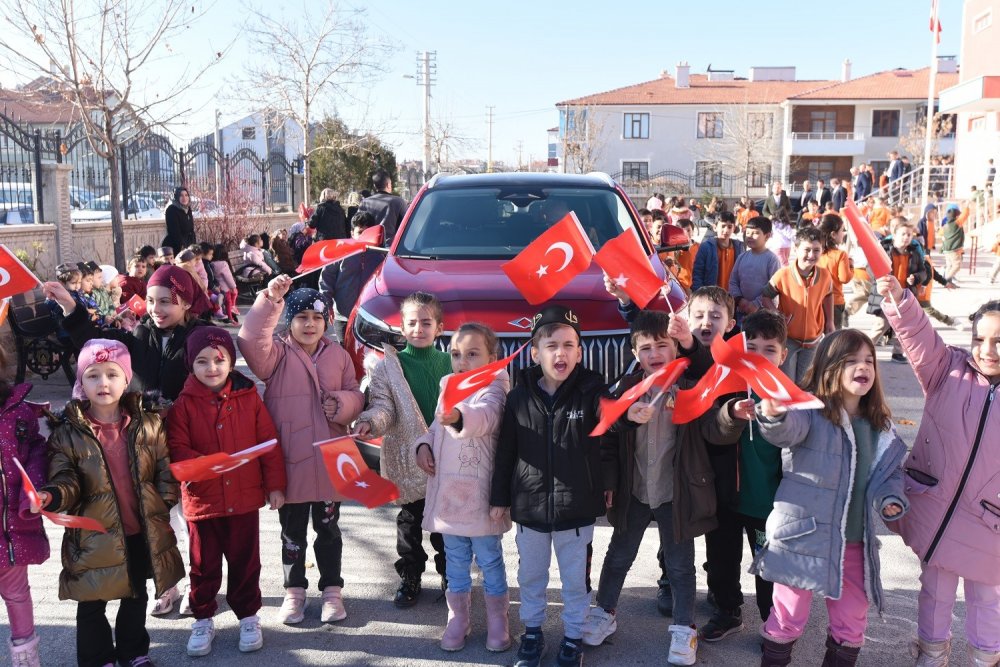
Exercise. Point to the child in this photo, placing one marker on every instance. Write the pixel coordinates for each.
(164, 255)
(837, 263)
(995, 270)
(717, 255)
(402, 397)
(227, 284)
(457, 455)
(312, 391)
(253, 254)
(657, 475)
(219, 410)
(555, 498)
(190, 261)
(104, 292)
(108, 461)
(841, 470)
(147, 253)
(684, 259)
(752, 269)
(86, 296)
(782, 237)
(135, 282)
(23, 539)
(951, 478)
(910, 269)
(953, 242)
(343, 280)
(805, 297)
(746, 478)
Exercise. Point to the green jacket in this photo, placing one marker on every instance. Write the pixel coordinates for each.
(954, 237)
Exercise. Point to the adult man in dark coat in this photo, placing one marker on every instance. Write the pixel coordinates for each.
(387, 208)
(777, 203)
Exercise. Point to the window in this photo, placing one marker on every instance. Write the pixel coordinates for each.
(708, 174)
(636, 126)
(819, 169)
(709, 125)
(885, 123)
(761, 125)
(760, 175)
(983, 21)
(249, 133)
(977, 124)
(823, 121)
(635, 171)
(946, 124)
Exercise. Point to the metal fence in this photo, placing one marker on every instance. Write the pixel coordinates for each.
(711, 182)
(150, 168)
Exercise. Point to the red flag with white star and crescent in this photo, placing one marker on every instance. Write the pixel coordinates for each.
(15, 277)
(206, 467)
(64, 520)
(551, 261)
(627, 265)
(718, 381)
(459, 386)
(352, 477)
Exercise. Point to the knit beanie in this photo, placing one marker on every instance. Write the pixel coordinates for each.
(98, 351)
(201, 337)
(306, 298)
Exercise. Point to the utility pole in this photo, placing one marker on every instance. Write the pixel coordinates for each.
(520, 150)
(427, 68)
(489, 154)
(218, 162)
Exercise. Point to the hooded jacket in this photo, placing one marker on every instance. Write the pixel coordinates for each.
(203, 422)
(95, 565)
(952, 478)
(22, 538)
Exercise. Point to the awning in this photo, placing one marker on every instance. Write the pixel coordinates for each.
(977, 95)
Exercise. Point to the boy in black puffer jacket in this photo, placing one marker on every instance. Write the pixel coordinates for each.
(908, 265)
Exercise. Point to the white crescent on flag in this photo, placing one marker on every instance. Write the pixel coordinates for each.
(4, 276)
(721, 372)
(322, 255)
(346, 458)
(222, 468)
(567, 250)
(470, 382)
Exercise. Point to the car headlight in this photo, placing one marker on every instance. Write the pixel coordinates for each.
(373, 332)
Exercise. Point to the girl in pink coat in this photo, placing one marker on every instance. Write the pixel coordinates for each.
(953, 479)
(457, 454)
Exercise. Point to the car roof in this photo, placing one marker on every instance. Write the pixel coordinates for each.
(520, 179)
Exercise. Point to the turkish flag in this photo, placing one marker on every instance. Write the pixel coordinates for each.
(322, 253)
(65, 520)
(136, 304)
(764, 378)
(459, 386)
(625, 262)
(551, 261)
(612, 409)
(878, 261)
(212, 465)
(374, 235)
(15, 278)
(351, 477)
(718, 381)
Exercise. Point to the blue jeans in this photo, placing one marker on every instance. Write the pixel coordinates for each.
(488, 549)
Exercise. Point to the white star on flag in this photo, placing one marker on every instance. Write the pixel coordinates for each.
(542, 270)
(361, 485)
(621, 280)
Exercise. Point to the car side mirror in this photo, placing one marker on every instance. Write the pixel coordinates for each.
(672, 237)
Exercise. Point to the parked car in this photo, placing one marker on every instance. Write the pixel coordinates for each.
(80, 197)
(99, 210)
(16, 203)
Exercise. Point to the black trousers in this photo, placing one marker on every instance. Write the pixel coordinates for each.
(328, 545)
(410, 542)
(95, 646)
(724, 549)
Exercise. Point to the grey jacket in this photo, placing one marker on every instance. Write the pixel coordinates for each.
(805, 530)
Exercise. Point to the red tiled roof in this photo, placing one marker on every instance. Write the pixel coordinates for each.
(37, 107)
(894, 84)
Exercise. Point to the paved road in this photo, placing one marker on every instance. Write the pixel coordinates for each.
(376, 633)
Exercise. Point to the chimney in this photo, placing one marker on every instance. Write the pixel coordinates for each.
(683, 79)
(947, 64)
(845, 70)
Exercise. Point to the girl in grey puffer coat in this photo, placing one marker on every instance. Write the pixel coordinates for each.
(840, 468)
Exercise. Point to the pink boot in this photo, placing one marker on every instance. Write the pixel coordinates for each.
(26, 654)
(459, 626)
(497, 626)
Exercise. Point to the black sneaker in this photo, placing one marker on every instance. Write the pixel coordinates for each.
(722, 624)
(407, 593)
(898, 358)
(532, 649)
(665, 598)
(570, 653)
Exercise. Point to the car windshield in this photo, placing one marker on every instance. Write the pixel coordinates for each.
(498, 222)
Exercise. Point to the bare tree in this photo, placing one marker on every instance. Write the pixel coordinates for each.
(445, 141)
(309, 62)
(583, 142)
(749, 145)
(97, 55)
(912, 142)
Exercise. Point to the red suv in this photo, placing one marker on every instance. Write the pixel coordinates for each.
(457, 233)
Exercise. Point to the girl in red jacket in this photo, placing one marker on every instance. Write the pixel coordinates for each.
(219, 410)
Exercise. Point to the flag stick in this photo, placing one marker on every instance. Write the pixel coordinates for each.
(749, 393)
(659, 395)
(895, 306)
(667, 296)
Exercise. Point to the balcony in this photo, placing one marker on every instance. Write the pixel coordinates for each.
(825, 143)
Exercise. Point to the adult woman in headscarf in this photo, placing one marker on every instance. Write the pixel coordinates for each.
(329, 219)
(180, 222)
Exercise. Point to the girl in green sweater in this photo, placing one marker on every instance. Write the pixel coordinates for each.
(402, 396)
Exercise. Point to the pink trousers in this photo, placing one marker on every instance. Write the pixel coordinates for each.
(937, 600)
(848, 615)
(16, 595)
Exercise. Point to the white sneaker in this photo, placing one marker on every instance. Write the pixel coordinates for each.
(683, 645)
(185, 608)
(599, 626)
(251, 638)
(333, 605)
(202, 634)
(293, 609)
(164, 604)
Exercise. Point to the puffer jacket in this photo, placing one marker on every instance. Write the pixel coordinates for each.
(94, 564)
(548, 466)
(952, 476)
(22, 537)
(224, 274)
(393, 415)
(296, 384)
(203, 422)
(806, 529)
(458, 493)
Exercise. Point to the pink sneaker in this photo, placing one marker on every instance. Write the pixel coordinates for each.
(333, 605)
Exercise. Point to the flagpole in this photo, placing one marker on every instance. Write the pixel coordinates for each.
(929, 131)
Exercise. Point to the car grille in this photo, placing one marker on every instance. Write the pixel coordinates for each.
(607, 353)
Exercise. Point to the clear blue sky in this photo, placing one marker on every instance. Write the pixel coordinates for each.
(524, 56)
